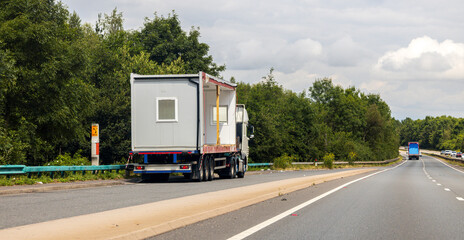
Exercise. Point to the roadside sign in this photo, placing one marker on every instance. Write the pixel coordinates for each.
(95, 148)
(94, 130)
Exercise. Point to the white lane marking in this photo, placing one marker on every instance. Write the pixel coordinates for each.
(448, 165)
(434, 180)
(447, 189)
(460, 198)
(425, 171)
(438, 184)
(270, 221)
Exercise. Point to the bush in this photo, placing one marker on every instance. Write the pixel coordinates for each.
(328, 160)
(283, 161)
(67, 160)
(352, 156)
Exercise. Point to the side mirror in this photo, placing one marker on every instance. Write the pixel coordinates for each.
(251, 129)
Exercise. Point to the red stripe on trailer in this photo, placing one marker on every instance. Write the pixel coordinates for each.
(219, 149)
(210, 79)
(221, 84)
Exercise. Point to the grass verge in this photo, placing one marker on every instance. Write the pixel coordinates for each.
(320, 165)
(451, 162)
(67, 177)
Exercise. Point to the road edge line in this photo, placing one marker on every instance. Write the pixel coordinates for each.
(276, 218)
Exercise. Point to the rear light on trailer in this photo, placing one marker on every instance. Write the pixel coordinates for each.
(184, 167)
(140, 167)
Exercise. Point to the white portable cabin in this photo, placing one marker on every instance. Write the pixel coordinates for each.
(174, 113)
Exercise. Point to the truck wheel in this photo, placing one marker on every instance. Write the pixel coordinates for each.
(210, 168)
(198, 171)
(245, 167)
(203, 169)
(232, 168)
(242, 173)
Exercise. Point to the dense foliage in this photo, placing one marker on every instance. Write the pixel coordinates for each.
(434, 132)
(329, 119)
(58, 76)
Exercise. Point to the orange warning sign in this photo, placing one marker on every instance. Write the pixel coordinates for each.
(94, 131)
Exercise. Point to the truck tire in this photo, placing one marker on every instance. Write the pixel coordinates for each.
(203, 168)
(232, 168)
(198, 171)
(210, 168)
(240, 174)
(245, 167)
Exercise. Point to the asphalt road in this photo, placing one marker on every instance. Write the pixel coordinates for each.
(417, 200)
(22, 209)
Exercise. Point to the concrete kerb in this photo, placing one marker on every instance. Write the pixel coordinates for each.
(151, 219)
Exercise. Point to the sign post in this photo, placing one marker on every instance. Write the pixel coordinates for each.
(95, 145)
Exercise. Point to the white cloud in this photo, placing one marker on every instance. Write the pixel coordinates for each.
(345, 52)
(426, 58)
(361, 42)
(278, 53)
(424, 78)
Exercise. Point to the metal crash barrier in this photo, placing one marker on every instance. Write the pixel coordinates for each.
(22, 169)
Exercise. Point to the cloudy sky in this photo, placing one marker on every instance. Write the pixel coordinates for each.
(409, 52)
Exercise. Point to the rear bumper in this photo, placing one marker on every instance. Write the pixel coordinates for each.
(162, 168)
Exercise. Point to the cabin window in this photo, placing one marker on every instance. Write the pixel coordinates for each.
(222, 115)
(166, 109)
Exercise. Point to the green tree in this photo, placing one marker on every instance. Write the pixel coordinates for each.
(114, 59)
(165, 41)
(49, 95)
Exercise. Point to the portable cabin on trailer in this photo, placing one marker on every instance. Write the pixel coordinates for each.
(189, 124)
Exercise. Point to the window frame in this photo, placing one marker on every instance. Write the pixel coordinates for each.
(176, 114)
(213, 115)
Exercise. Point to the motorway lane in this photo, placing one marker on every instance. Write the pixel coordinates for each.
(22, 209)
(449, 180)
(398, 204)
(402, 203)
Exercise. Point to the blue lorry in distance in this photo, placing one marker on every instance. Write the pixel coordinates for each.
(413, 150)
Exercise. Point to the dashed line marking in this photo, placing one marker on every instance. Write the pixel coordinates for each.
(447, 189)
(434, 180)
(460, 198)
(438, 184)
